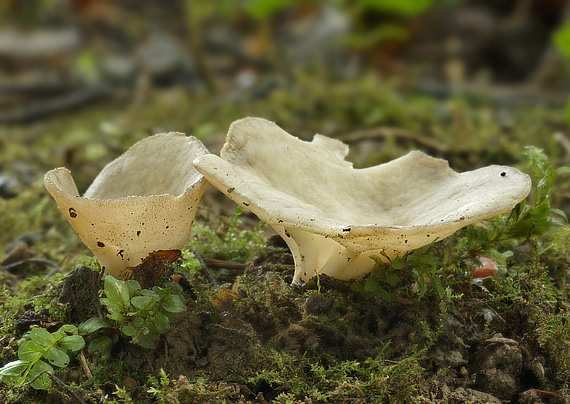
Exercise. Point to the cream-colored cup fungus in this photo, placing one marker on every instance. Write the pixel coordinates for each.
(143, 201)
(334, 217)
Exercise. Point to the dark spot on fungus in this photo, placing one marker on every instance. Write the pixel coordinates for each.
(462, 218)
(428, 235)
(346, 229)
(406, 241)
(167, 227)
(138, 233)
(245, 204)
(230, 190)
(503, 174)
(121, 253)
(72, 213)
(287, 233)
(280, 221)
(100, 244)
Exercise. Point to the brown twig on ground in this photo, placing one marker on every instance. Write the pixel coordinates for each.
(165, 354)
(59, 382)
(38, 261)
(211, 263)
(85, 366)
(48, 107)
(549, 393)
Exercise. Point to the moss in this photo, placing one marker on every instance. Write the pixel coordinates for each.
(256, 337)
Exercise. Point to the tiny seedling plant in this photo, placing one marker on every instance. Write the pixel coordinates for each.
(38, 351)
(140, 314)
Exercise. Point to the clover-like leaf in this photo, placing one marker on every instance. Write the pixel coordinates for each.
(42, 337)
(133, 286)
(142, 302)
(42, 382)
(30, 351)
(93, 324)
(129, 330)
(102, 344)
(72, 343)
(12, 371)
(162, 323)
(117, 292)
(57, 357)
(175, 304)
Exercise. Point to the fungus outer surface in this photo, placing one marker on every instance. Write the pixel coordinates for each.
(143, 201)
(334, 217)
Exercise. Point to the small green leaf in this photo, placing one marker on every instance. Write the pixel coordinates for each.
(133, 286)
(102, 344)
(175, 288)
(141, 302)
(43, 382)
(29, 351)
(73, 343)
(161, 323)
(117, 316)
(147, 340)
(560, 213)
(117, 292)
(398, 263)
(129, 330)
(68, 329)
(93, 324)
(112, 307)
(57, 357)
(12, 371)
(176, 304)
(138, 322)
(42, 337)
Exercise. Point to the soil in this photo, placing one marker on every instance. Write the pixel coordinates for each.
(477, 356)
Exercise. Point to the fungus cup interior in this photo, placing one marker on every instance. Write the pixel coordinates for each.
(143, 201)
(334, 217)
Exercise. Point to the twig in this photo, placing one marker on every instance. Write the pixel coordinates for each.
(59, 382)
(40, 261)
(165, 354)
(85, 366)
(549, 393)
(40, 110)
(224, 264)
(205, 269)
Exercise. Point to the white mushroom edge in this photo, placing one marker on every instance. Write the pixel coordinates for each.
(334, 217)
(143, 201)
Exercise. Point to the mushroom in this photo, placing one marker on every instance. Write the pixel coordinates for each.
(143, 201)
(334, 217)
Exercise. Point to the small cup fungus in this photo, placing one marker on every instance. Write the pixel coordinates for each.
(334, 217)
(143, 201)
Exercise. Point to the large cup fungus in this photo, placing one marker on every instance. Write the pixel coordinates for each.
(334, 217)
(143, 201)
